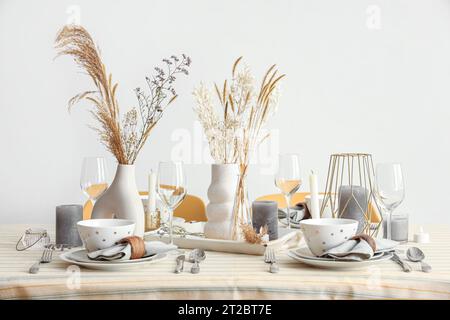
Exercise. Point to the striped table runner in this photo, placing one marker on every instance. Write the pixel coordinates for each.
(222, 276)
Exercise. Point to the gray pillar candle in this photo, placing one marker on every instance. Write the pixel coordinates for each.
(67, 217)
(266, 213)
(353, 204)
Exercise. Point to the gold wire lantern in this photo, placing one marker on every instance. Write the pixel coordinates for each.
(350, 191)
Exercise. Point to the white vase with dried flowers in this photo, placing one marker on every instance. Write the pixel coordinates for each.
(121, 200)
(219, 210)
(235, 135)
(124, 138)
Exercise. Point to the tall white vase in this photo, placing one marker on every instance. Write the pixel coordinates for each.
(221, 194)
(121, 200)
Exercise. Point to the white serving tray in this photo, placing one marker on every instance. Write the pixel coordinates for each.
(288, 238)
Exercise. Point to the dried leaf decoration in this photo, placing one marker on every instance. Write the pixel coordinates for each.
(251, 236)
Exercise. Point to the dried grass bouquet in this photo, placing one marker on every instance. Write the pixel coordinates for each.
(236, 129)
(124, 138)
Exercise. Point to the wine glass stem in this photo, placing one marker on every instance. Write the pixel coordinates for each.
(170, 226)
(288, 210)
(388, 225)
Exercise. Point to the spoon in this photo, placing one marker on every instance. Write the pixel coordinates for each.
(416, 255)
(196, 256)
(180, 263)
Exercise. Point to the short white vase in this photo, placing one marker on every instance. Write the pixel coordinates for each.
(221, 192)
(121, 200)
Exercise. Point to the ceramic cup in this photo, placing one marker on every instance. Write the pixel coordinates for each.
(324, 234)
(98, 234)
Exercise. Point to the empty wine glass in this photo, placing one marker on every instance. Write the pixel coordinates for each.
(93, 177)
(171, 188)
(389, 189)
(288, 179)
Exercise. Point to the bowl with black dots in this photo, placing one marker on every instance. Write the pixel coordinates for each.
(97, 234)
(324, 234)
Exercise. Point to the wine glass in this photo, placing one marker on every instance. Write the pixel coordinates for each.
(93, 177)
(288, 179)
(171, 188)
(389, 189)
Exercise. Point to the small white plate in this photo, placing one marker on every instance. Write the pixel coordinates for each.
(81, 255)
(110, 265)
(338, 264)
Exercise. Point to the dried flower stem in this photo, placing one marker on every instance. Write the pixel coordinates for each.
(75, 41)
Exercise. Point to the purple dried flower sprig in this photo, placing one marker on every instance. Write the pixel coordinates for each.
(161, 94)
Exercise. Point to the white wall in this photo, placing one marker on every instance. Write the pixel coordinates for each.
(353, 84)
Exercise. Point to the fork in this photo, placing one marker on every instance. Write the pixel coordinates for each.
(269, 257)
(46, 258)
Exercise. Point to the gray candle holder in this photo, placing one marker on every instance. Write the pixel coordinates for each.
(349, 191)
(353, 204)
(67, 217)
(266, 213)
(399, 227)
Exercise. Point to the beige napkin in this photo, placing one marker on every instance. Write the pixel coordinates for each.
(358, 250)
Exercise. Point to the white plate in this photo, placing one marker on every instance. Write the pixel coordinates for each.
(336, 264)
(81, 255)
(305, 253)
(111, 265)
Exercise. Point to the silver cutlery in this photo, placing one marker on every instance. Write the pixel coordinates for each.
(414, 254)
(269, 257)
(195, 257)
(46, 258)
(405, 266)
(180, 263)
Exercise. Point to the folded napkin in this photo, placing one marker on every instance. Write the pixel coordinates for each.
(298, 212)
(123, 251)
(360, 248)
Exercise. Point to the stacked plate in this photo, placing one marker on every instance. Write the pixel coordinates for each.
(79, 257)
(305, 256)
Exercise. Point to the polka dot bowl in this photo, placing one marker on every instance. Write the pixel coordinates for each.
(324, 234)
(99, 234)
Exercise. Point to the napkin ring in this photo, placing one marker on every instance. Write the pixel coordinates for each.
(137, 246)
(367, 238)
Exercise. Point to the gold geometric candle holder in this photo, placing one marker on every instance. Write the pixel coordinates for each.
(350, 191)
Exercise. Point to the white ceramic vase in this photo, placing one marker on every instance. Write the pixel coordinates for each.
(121, 200)
(221, 192)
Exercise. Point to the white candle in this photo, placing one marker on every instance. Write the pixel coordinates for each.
(315, 210)
(152, 192)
